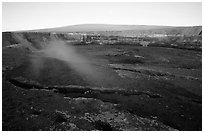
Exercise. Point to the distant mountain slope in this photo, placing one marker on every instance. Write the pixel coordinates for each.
(187, 31)
(125, 30)
(100, 27)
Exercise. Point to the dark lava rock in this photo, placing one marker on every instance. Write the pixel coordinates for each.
(100, 125)
(60, 118)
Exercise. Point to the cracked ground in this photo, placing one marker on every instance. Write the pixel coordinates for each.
(139, 88)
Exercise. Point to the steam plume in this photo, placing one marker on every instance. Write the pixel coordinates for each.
(59, 50)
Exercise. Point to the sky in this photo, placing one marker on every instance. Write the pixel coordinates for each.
(38, 15)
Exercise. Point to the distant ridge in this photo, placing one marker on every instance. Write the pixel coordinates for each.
(100, 27)
(124, 30)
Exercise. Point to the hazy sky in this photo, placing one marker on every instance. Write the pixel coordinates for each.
(21, 16)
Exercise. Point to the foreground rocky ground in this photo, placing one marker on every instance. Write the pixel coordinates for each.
(138, 89)
(37, 109)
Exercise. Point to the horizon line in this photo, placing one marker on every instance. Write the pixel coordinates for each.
(99, 24)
